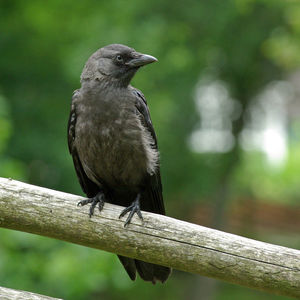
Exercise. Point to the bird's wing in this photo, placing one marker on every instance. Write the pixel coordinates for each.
(88, 186)
(152, 199)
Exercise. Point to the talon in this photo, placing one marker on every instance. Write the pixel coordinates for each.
(100, 205)
(84, 202)
(98, 199)
(125, 211)
(132, 209)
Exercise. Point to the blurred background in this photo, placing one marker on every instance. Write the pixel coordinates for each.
(224, 103)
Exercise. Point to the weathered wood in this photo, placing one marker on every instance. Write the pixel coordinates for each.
(159, 239)
(10, 294)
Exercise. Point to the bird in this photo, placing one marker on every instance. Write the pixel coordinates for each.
(113, 143)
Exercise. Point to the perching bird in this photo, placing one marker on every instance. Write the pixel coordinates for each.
(113, 143)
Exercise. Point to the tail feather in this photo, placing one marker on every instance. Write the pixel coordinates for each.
(152, 272)
(129, 266)
(147, 271)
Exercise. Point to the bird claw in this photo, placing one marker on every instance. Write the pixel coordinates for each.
(85, 202)
(98, 199)
(132, 209)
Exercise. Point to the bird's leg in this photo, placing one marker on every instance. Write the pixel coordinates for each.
(99, 198)
(132, 209)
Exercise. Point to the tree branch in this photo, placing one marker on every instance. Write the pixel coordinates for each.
(9, 294)
(159, 239)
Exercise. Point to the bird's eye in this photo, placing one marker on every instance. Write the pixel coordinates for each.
(119, 58)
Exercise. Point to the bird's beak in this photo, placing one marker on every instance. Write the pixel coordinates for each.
(140, 60)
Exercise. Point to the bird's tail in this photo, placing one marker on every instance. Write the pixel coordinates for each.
(147, 271)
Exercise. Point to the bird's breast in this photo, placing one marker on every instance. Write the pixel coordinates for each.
(113, 145)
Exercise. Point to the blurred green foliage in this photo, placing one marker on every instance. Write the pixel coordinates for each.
(43, 47)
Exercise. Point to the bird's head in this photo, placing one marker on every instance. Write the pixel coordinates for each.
(116, 63)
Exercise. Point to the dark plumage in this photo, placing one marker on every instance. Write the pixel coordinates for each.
(113, 143)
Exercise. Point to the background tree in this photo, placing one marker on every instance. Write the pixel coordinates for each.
(227, 73)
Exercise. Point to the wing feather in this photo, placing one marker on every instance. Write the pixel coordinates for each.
(88, 186)
(152, 199)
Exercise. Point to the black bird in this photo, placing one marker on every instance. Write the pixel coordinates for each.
(113, 143)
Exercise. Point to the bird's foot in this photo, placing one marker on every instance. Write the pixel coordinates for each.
(132, 209)
(98, 199)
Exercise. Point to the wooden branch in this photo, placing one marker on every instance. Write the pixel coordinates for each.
(10, 294)
(159, 239)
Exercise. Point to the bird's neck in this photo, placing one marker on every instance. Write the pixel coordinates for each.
(103, 87)
(104, 83)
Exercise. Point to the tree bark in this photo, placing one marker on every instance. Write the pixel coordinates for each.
(10, 294)
(158, 239)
